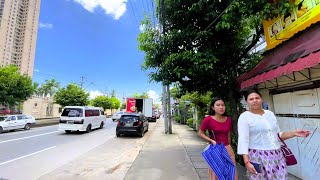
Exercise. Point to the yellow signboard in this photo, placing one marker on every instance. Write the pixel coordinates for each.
(284, 27)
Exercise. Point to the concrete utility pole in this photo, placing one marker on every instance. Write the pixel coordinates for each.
(164, 89)
(81, 83)
(169, 110)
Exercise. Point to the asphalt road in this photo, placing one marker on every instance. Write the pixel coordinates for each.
(31, 154)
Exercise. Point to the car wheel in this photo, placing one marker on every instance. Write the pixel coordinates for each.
(118, 134)
(68, 131)
(88, 128)
(142, 132)
(1, 130)
(101, 125)
(27, 126)
(147, 128)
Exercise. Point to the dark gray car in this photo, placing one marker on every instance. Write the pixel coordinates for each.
(132, 124)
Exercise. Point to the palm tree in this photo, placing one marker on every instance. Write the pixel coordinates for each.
(50, 87)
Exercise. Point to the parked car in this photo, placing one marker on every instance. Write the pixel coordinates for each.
(5, 110)
(20, 121)
(132, 124)
(117, 115)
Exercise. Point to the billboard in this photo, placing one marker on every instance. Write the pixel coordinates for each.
(277, 30)
(131, 105)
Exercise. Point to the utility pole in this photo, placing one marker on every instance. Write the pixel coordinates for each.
(164, 88)
(81, 83)
(169, 110)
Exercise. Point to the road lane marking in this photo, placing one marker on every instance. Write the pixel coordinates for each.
(28, 137)
(26, 155)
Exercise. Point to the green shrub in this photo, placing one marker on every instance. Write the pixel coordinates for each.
(190, 122)
(177, 118)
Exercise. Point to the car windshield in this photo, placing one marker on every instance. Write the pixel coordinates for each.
(129, 118)
(72, 112)
(3, 118)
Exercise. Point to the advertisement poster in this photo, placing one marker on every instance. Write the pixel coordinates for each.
(131, 105)
(282, 28)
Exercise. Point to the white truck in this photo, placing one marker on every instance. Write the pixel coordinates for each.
(141, 105)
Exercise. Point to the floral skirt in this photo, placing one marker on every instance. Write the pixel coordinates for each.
(273, 164)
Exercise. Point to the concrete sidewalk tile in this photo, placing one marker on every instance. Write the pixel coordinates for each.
(162, 157)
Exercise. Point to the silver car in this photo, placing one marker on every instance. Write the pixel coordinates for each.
(19, 121)
(117, 115)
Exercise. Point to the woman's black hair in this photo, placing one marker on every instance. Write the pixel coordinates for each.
(250, 92)
(214, 100)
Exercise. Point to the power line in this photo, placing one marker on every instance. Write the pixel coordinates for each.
(214, 21)
(153, 15)
(134, 14)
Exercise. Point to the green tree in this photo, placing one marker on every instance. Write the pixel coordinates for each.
(204, 58)
(143, 95)
(113, 93)
(72, 95)
(115, 103)
(14, 87)
(102, 101)
(50, 87)
(124, 105)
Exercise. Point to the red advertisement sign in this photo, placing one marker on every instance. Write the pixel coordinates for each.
(131, 105)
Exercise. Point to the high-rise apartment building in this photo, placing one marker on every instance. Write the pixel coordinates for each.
(18, 33)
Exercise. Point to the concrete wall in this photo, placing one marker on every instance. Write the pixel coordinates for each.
(300, 110)
(41, 107)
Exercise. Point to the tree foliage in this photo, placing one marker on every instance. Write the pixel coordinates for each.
(115, 103)
(14, 87)
(106, 102)
(102, 101)
(49, 87)
(143, 95)
(200, 57)
(72, 95)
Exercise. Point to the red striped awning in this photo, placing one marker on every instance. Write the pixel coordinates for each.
(297, 54)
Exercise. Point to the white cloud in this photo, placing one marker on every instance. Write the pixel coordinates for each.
(94, 94)
(45, 25)
(36, 70)
(153, 94)
(115, 8)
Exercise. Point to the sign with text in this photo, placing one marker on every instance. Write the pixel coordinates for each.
(284, 27)
(131, 105)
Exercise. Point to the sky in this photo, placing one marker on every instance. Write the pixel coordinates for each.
(93, 41)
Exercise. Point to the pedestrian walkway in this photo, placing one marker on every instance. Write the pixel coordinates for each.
(175, 156)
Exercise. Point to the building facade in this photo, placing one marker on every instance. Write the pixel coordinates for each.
(42, 107)
(18, 33)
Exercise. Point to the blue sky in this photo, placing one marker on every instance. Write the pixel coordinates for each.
(96, 39)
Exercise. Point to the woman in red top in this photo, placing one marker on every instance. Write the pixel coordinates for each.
(220, 124)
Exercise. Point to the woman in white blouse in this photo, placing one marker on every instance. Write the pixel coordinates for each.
(258, 141)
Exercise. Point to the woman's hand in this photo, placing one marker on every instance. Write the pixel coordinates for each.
(213, 142)
(251, 168)
(301, 133)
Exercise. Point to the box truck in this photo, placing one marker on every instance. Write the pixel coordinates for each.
(141, 105)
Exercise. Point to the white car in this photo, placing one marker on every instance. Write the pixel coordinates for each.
(19, 121)
(117, 115)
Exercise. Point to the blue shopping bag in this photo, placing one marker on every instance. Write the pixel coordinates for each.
(219, 161)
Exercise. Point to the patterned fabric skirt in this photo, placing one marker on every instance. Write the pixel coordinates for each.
(273, 164)
(212, 176)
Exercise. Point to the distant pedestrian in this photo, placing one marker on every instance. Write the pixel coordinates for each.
(221, 125)
(258, 141)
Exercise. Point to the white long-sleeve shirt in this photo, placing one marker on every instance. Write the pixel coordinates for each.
(257, 132)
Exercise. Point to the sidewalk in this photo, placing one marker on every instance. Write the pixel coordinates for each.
(175, 156)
